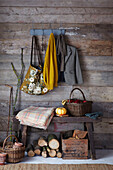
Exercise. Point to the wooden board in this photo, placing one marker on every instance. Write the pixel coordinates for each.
(28, 11)
(89, 27)
(91, 78)
(88, 63)
(74, 148)
(80, 31)
(27, 15)
(85, 47)
(103, 141)
(95, 94)
(63, 3)
(95, 73)
(105, 107)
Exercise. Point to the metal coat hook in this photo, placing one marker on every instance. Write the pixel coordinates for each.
(43, 32)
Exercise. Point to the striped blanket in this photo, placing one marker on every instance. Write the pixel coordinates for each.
(38, 117)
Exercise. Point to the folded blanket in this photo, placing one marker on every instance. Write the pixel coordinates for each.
(38, 117)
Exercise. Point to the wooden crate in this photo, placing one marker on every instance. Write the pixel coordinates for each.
(74, 148)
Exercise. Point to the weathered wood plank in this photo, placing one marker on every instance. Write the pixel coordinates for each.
(54, 95)
(95, 94)
(85, 47)
(82, 31)
(103, 141)
(91, 47)
(106, 126)
(105, 107)
(91, 78)
(3, 135)
(63, 3)
(96, 63)
(75, 119)
(89, 63)
(28, 11)
(96, 78)
(4, 123)
(75, 18)
(60, 127)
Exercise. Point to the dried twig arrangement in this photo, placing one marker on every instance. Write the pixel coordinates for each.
(19, 78)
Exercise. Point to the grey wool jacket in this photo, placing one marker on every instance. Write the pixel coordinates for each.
(72, 71)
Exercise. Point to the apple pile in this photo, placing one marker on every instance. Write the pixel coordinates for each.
(76, 101)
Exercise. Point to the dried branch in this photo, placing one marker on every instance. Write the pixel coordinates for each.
(19, 78)
(15, 71)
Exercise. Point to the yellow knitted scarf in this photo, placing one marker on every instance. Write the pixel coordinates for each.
(50, 70)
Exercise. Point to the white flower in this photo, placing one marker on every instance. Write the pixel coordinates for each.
(45, 89)
(31, 79)
(41, 76)
(31, 86)
(37, 90)
(33, 73)
(24, 87)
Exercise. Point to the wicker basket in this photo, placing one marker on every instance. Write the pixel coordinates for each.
(14, 154)
(78, 109)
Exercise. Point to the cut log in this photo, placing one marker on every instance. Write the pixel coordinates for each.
(58, 154)
(48, 149)
(42, 141)
(44, 152)
(52, 153)
(53, 141)
(30, 150)
(37, 150)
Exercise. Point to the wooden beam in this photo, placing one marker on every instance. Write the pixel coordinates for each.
(63, 3)
(95, 94)
(74, 119)
(75, 18)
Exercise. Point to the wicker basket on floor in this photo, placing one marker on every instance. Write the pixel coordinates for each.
(78, 109)
(14, 154)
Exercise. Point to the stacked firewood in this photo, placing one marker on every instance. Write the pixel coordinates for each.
(45, 147)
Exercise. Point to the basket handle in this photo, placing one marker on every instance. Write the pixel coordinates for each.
(7, 138)
(80, 91)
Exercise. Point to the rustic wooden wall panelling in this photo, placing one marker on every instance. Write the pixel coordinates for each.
(89, 27)
(96, 94)
(58, 3)
(26, 15)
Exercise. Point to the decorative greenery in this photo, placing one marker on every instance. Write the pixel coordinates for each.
(19, 78)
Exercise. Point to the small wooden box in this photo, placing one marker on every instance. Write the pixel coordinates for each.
(74, 148)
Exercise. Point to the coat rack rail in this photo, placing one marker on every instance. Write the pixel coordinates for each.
(47, 31)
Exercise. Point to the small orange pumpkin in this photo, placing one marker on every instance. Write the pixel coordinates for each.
(60, 111)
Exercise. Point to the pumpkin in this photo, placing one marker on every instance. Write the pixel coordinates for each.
(60, 111)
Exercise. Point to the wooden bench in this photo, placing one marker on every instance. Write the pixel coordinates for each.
(88, 124)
